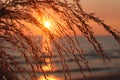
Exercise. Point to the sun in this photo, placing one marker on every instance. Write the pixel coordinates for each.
(47, 24)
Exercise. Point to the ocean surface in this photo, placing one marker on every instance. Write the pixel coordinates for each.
(97, 65)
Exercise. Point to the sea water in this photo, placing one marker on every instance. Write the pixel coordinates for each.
(97, 65)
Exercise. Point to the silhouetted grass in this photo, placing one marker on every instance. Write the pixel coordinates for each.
(15, 31)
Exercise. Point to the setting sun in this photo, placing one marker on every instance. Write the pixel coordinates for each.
(47, 24)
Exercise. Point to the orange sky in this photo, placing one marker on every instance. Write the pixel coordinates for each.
(108, 10)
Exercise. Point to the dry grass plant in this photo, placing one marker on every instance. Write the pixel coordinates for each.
(13, 16)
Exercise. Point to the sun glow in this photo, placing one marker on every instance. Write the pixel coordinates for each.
(48, 78)
(47, 24)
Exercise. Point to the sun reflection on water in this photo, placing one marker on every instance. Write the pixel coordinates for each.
(48, 78)
(47, 67)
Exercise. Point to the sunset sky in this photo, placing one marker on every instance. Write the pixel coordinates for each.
(108, 10)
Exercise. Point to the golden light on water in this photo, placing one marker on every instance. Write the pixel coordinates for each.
(46, 68)
(47, 24)
(48, 78)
